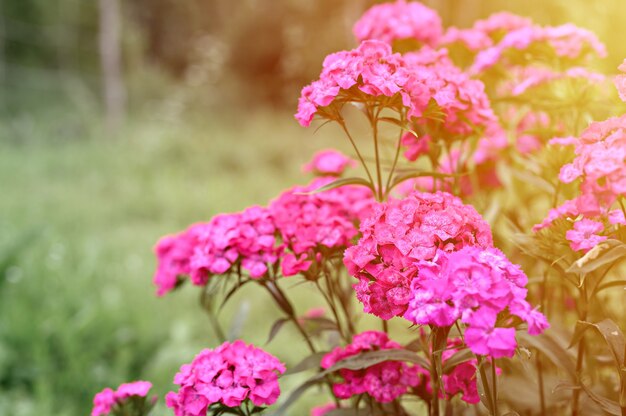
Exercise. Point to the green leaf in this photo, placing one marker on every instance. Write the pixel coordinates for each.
(552, 350)
(349, 412)
(611, 333)
(295, 395)
(398, 179)
(608, 285)
(338, 183)
(312, 361)
(608, 405)
(276, 328)
(603, 254)
(370, 358)
(459, 357)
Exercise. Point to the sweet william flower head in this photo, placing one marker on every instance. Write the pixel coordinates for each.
(329, 163)
(400, 21)
(401, 233)
(474, 285)
(312, 224)
(109, 400)
(229, 374)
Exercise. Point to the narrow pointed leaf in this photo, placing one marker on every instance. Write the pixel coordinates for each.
(276, 327)
(312, 361)
(611, 333)
(603, 254)
(338, 183)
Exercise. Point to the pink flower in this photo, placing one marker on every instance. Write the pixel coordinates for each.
(107, 399)
(103, 402)
(329, 162)
(401, 20)
(584, 236)
(229, 374)
(473, 285)
(312, 223)
(483, 338)
(384, 382)
(371, 67)
(401, 233)
(136, 388)
(322, 410)
(567, 42)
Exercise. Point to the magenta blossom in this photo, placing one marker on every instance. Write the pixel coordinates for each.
(585, 235)
(312, 224)
(401, 233)
(108, 400)
(474, 285)
(229, 374)
(329, 163)
(384, 382)
(398, 21)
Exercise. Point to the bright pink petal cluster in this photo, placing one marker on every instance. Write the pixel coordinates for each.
(245, 238)
(527, 78)
(462, 100)
(620, 81)
(585, 235)
(229, 374)
(329, 163)
(384, 382)
(484, 32)
(372, 68)
(417, 80)
(474, 285)
(600, 160)
(566, 41)
(107, 399)
(313, 224)
(323, 409)
(397, 21)
(398, 235)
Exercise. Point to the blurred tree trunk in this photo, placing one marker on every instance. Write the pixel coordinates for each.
(114, 93)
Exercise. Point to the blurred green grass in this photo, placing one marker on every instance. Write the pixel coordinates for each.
(77, 306)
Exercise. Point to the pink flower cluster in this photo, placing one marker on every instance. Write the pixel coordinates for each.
(600, 160)
(418, 79)
(462, 378)
(329, 163)
(397, 21)
(298, 228)
(474, 285)
(105, 401)
(592, 223)
(566, 41)
(229, 374)
(384, 382)
(311, 224)
(372, 68)
(462, 100)
(245, 238)
(398, 235)
(620, 81)
(484, 33)
(527, 78)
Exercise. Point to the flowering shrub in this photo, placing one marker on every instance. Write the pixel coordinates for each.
(493, 124)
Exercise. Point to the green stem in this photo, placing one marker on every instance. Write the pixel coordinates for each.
(580, 353)
(395, 162)
(485, 381)
(379, 176)
(356, 149)
(494, 386)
